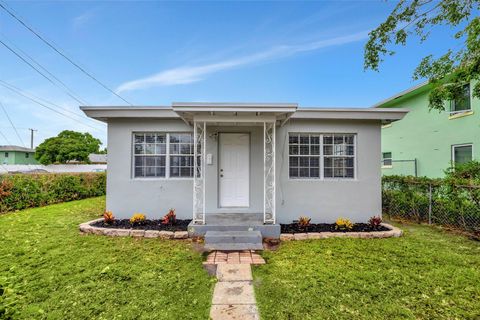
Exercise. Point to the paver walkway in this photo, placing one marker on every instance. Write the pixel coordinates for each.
(234, 257)
(233, 296)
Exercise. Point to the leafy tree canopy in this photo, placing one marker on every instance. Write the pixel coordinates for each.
(448, 72)
(67, 146)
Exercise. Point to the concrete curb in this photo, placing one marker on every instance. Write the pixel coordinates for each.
(394, 232)
(87, 228)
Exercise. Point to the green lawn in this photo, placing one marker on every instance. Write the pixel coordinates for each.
(427, 274)
(48, 270)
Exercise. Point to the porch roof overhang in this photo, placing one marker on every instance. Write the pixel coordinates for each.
(227, 113)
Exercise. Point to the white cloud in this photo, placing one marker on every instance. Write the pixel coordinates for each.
(190, 74)
(81, 20)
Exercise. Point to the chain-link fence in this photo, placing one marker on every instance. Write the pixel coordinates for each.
(441, 203)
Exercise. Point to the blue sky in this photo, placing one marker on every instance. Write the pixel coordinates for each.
(154, 53)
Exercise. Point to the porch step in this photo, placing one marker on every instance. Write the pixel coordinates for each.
(233, 240)
(234, 246)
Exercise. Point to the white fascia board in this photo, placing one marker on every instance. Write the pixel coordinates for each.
(239, 105)
(105, 113)
(351, 113)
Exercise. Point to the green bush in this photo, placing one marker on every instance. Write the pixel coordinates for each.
(455, 200)
(22, 191)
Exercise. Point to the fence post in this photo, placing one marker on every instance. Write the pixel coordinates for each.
(429, 203)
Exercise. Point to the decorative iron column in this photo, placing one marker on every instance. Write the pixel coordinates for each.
(269, 173)
(199, 148)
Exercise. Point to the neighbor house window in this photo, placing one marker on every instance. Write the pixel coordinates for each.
(6, 154)
(462, 153)
(321, 155)
(163, 155)
(461, 103)
(27, 155)
(386, 158)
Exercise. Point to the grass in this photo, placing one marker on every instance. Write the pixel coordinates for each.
(50, 271)
(427, 274)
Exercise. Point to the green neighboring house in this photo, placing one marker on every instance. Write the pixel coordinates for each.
(425, 143)
(17, 155)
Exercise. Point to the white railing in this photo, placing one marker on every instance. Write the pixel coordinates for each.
(199, 151)
(269, 173)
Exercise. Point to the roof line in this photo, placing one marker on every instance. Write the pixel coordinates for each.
(400, 94)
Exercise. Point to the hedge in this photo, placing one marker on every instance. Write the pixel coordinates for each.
(451, 201)
(21, 191)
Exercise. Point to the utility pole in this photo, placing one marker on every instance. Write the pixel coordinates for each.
(31, 137)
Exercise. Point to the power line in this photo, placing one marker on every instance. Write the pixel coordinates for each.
(11, 122)
(29, 96)
(38, 71)
(5, 137)
(61, 53)
(52, 109)
(46, 70)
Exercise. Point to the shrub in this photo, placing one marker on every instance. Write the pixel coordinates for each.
(21, 191)
(108, 217)
(137, 218)
(304, 221)
(469, 170)
(375, 222)
(170, 218)
(343, 224)
(5, 188)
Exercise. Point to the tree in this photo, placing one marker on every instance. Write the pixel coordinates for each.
(448, 73)
(67, 146)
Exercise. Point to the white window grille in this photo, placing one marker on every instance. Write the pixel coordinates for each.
(317, 156)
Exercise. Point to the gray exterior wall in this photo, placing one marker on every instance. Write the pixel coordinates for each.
(326, 200)
(323, 200)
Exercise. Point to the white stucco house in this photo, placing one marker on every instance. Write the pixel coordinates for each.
(256, 163)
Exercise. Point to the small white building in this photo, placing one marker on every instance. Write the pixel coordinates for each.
(267, 161)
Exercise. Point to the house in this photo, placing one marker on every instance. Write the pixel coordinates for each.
(231, 166)
(17, 155)
(97, 158)
(425, 142)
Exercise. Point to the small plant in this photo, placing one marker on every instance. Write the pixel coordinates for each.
(303, 221)
(170, 218)
(108, 217)
(5, 188)
(343, 224)
(137, 218)
(375, 222)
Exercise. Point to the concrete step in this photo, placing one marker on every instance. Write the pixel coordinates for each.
(231, 236)
(233, 240)
(233, 246)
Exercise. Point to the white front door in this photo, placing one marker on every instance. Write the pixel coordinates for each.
(234, 169)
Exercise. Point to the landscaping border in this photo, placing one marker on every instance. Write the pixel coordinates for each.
(88, 228)
(394, 232)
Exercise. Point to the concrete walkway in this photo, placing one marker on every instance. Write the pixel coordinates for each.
(233, 296)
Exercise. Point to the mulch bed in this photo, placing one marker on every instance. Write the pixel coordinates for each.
(328, 227)
(180, 225)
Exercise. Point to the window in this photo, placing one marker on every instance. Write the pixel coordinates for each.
(27, 155)
(304, 159)
(338, 152)
(308, 153)
(386, 158)
(163, 155)
(461, 103)
(462, 153)
(6, 154)
(150, 154)
(181, 155)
